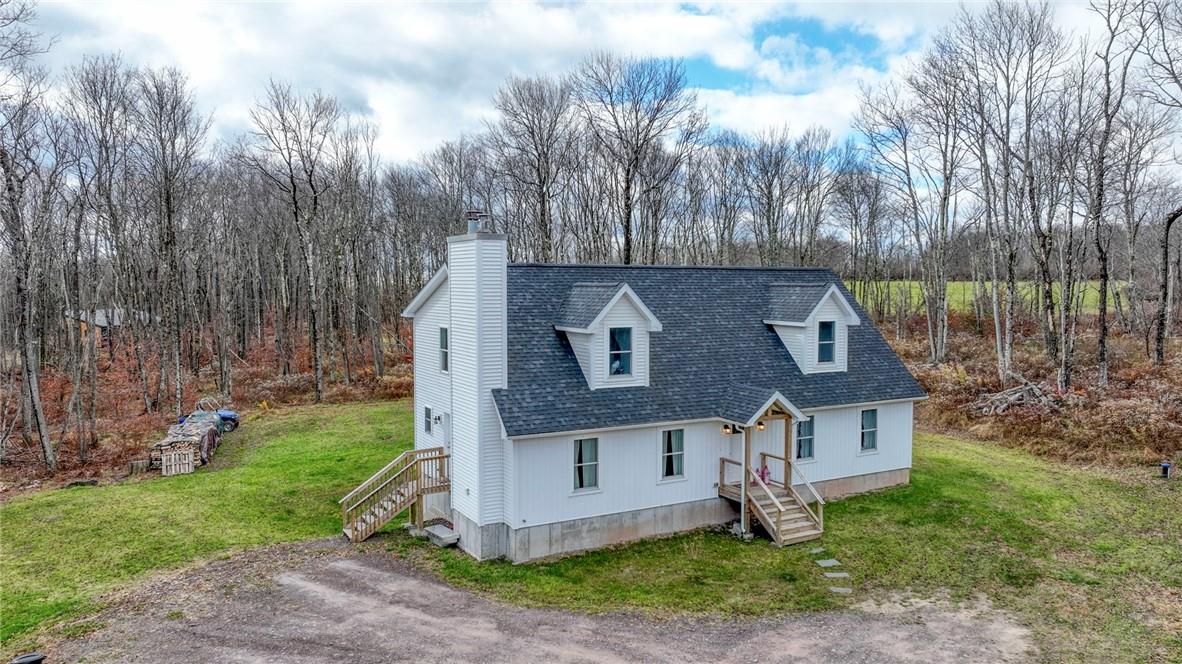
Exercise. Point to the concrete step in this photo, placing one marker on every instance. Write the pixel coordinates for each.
(441, 535)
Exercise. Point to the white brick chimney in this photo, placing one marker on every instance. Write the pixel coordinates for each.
(477, 275)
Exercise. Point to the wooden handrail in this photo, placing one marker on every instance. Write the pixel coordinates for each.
(775, 501)
(401, 458)
(818, 517)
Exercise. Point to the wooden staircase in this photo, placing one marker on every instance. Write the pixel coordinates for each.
(784, 514)
(401, 484)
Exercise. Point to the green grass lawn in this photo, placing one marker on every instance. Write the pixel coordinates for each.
(276, 479)
(1090, 560)
(960, 293)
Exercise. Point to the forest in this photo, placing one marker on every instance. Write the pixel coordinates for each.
(144, 263)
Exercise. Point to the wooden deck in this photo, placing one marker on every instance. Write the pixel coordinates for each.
(784, 514)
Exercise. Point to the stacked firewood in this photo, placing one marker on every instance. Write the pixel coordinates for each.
(198, 433)
(1025, 393)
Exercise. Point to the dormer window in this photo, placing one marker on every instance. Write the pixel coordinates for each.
(619, 356)
(826, 342)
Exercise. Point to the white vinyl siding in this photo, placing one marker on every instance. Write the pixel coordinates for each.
(593, 349)
(477, 355)
(432, 388)
(804, 343)
(630, 463)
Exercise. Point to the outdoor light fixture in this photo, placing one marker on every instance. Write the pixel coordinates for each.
(727, 429)
(760, 426)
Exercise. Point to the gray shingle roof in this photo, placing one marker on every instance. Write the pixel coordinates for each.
(584, 301)
(794, 302)
(715, 358)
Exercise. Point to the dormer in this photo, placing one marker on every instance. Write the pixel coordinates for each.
(813, 321)
(608, 327)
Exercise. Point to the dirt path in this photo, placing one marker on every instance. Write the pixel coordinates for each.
(325, 602)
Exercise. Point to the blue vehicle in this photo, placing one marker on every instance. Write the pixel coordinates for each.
(226, 420)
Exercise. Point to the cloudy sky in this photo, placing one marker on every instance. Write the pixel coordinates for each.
(426, 72)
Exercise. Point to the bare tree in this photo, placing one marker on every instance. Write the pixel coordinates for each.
(632, 107)
(292, 152)
(1114, 58)
(532, 139)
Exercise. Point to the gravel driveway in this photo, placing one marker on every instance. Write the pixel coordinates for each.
(327, 602)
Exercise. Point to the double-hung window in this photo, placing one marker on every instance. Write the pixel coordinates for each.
(586, 464)
(804, 438)
(427, 419)
(619, 351)
(672, 454)
(826, 342)
(444, 352)
(870, 429)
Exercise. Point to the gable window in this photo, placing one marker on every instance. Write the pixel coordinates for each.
(826, 341)
(870, 429)
(586, 464)
(804, 438)
(619, 356)
(444, 352)
(427, 419)
(672, 453)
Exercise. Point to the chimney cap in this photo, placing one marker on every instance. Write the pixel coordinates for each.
(478, 221)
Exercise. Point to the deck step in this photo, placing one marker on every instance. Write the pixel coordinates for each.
(441, 535)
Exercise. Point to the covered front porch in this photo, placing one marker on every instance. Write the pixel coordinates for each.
(767, 485)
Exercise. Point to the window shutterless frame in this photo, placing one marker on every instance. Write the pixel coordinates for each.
(586, 464)
(804, 438)
(427, 419)
(619, 351)
(869, 429)
(826, 342)
(672, 454)
(444, 350)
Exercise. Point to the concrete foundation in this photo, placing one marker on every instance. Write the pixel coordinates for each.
(846, 486)
(497, 540)
(594, 532)
(481, 542)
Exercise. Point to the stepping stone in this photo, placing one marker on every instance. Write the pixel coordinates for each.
(813, 552)
(837, 575)
(840, 591)
(829, 562)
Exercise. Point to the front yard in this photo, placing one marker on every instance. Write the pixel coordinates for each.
(1090, 560)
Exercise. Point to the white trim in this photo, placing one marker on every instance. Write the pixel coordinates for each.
(608, 376)
(862, 404)
(776, 397)
(625, 290)
(623, 427)
(661, 479)
(848, 309)
(722, 420)
(419, 300)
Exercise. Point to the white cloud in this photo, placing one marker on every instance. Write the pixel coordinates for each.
(426, 72)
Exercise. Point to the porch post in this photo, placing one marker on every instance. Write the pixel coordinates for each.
(787, 451)
(745, 519)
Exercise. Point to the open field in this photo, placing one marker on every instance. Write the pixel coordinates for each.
(960, 294)
(1090, 560)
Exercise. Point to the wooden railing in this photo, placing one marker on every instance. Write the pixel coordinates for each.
(724, 487)
(818, 515)
(774, 524)
(392, 489)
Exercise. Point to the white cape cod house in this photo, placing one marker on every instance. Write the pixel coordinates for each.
(566, 407)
